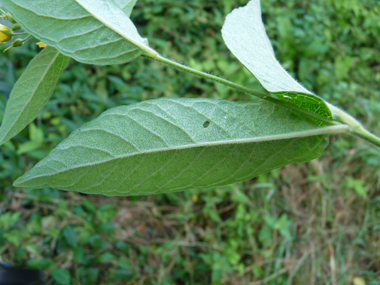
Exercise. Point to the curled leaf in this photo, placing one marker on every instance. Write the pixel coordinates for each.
(244, 34)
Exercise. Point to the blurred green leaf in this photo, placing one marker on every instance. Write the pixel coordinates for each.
(106, 227)
(122, 274)
(61, 276)
(105, 257)
(29, 147)
(15, 237)
(342, 67)
(357, 186)
(7, 220)
(79, 254)
(283, 225)
(88, 205)
(89, 276)
(70, 235)
(40, 263)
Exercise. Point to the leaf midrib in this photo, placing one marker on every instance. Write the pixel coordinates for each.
(293, 135)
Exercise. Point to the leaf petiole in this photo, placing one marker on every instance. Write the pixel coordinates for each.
(17, 43)
(19, 34)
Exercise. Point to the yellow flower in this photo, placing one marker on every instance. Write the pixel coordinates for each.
(5, 34)
(41, 45)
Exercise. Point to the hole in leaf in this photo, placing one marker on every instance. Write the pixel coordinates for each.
(206, 124)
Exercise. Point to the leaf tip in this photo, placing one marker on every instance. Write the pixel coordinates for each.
(20, 182)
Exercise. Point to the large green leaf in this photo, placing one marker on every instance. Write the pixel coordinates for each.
(126, 5)
(172, 145)
(244, 34)
(31, 91)
(95, 32)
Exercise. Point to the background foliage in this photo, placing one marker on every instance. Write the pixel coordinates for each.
(311, 223)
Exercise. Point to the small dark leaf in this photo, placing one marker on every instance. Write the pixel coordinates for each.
(70, 235)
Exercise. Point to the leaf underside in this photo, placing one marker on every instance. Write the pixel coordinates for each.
(170, 145)
(244, 34)
(32, 91)
(126, 5)
(104, 35)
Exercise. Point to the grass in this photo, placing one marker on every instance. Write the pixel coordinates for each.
(310, 223)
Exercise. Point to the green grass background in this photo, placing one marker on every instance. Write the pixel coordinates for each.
(308, 223)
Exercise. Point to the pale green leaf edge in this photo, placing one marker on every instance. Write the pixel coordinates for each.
(120, 23)
(244, 34)
(126, 5)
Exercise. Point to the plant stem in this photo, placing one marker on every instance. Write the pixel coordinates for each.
(17, 43)
(18, 34)
(357, 127)
(366, 135)
(269, 97)
(347, 119)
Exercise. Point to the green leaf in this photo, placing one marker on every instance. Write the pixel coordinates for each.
(88, 275)
(171, 145)
(244, 34)
(40, 263)
(105, 257)
(70, 235)
(28, 147)
(31, 92)
(126, 5)
(94, 32)
(61, 276)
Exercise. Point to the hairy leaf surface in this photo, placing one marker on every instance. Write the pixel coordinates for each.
(171, 145)
(94, 32)
(32, 91)
(244, 34)
(126, 5)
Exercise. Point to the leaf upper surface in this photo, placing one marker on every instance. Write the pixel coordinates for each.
(32, 91)
(244, 34)
(94, 32)
(171, 145)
